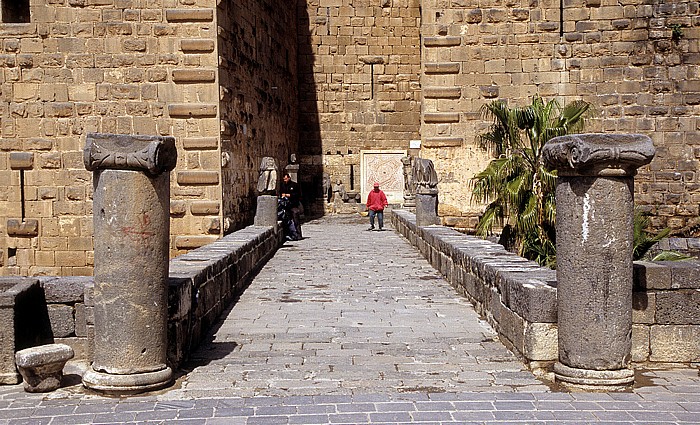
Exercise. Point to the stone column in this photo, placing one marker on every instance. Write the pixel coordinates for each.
(595, 209)
(131, 201)
(266, 208)
(425, 181)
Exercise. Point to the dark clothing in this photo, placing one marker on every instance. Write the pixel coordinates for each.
(292, 188)
(292, 208)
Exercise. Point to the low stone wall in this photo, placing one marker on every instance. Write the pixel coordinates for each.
(519, 298)
(202, 284)
(666, 311)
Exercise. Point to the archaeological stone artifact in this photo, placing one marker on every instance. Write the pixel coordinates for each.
(595, 203)
(131, 201)
(425, 181)
(266, 208)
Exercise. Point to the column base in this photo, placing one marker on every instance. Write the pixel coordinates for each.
(127, 384)
(593, 380)
(266, 211)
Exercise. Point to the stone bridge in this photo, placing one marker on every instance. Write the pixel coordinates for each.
(345, 326)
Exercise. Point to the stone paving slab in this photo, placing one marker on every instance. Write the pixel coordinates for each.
(348, 327)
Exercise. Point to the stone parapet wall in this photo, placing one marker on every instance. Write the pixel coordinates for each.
(519, 298)
(202, 284)
(666, 315)
(516, 296)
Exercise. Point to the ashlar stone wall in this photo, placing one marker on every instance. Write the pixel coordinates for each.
(205, 71)
(636, 61)
(359, 88)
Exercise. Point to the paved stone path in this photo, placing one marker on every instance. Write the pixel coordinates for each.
(349, 326)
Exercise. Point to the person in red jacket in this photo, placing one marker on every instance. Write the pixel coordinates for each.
(376, 201)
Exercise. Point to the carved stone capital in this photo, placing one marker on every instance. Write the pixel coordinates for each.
(152, 154)
(598, 154)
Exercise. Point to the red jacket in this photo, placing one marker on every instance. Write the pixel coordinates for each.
(376, 200)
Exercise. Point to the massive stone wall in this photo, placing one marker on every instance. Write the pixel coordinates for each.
(258, 79)
(636, 61)
(133, 67)
(359, 67)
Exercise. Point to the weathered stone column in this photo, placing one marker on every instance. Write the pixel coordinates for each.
(266, 208)
(425, 182)
(595, 209)
(131, 201)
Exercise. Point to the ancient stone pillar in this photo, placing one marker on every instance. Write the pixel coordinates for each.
(425, 182)
(595, 203)
(131, 219)
(266, 208)
(409, 197)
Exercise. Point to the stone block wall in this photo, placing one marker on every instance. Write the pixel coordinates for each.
(635, 61)
(359, 87)
(149, 68)
(202, 284)
(666, 315)
(257, 50)
(519, 298)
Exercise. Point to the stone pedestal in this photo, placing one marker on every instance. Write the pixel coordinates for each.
(131, 230)
(266, 211)
(595, 204)
(426, 208)
(42, 367)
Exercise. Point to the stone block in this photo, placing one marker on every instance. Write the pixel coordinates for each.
(25, 322)
(193, 76)
(81, 320)
(440, 117)
(640, 343)
(197, 177)
(197, 45)
(442, 68)
(675, 343)
(643, 307)
(684, 274)
(442, 142)
(372, 60)
(42, 366)
(446, 41)
(437, 92)
(200, 143)
(192, 110)
(205, 207)
(62, 320)
(67, 290)
(22, 228)
(540, 342)
(680, 307)
(21, 160)
(189, 15)
(648, 275)
(193, 241)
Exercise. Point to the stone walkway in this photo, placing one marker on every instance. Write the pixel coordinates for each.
(350, 326)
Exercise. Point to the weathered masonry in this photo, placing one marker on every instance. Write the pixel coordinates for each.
(348, 86)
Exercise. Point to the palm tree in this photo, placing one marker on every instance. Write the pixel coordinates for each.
(517, 187)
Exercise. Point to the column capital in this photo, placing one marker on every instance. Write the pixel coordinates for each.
(152, 154)
(598, 154)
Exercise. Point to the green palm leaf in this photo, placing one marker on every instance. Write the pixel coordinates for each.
(516, 186)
